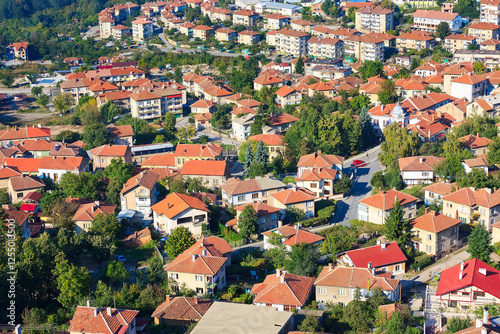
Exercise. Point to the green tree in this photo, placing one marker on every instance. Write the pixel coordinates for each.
(480, 243)
(310, 324)
(61, 213)
(43, 100)
(63, 102)
(117, 169)
(116, 272)
(95, 135)
(261, 154)
(169, 129)
(443, 30)
(396, 227)
(256, 169)
(150, 298)
(338, 239)
(399, 143)
(456, 324)
(178, 75)
(479, 67)
(72, 282)
(186, 133)
(415, 62)
(467, 8)
(370, 69)
(299, 66)
(106, 225)
(303, 260)
(494, 151)
(179, 240)
(4, 196)
(248, 161)
(154, 272)
(221, 118)
(83, 185)
(247, 222)
(367, 131)
(387, 93)
(109, 111)
(342, 185)
(102, 247)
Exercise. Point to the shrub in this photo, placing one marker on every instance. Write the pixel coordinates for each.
(421, 262)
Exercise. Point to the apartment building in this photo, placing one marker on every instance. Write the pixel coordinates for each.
(490, 45)
(415, 40)
(428, 20)
(219, 14)
(106, 23)
(375, 209)
(374, 19)
(287, 95)
(456, 42)
(142, 29)
(145, 105)
(203, 32)
(302, 25)
(120, 31)
(490, 11)
(275, 21)
(186, 28)
(484, 31)
(245, 17)
(225, 34)
(363, 48)
(470, 86)
(248, 37)
(490, 58)
(325, 48)
(291, 42)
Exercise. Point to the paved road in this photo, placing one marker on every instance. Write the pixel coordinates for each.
(347, 208)
(91, 32)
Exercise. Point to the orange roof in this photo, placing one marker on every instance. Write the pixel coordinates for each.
(484, 26)
(89, 211)
(160, 160)
(490, 42)
(284, 91)
(385, 200)
(144, 95)
(461, 37)
(205, 167)
(282, 118)
(271, 139)
(202, 27)
(261, 209)
(473, 142)
(470, 197)
(283, 289)
(469, 79)
(349, 277)
(434, 14)
(109, 150)
(175, 204)
(440, 188)
(416, 36)
(211, 246)
(62, 163)
(420, 163)
(146, 179)
(434, 222)
(202, 103)
(181, 308)
(292, 196)
(84, 320)
(291, 33)
(8, 172)
(245, 12)
(268, 80)
(320, 160)
(118, 131)
(317, 174)
(198, 150)
(24, 133)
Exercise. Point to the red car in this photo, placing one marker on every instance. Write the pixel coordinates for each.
(358, 163)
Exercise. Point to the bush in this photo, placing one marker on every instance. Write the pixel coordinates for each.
(421, 262)
(325, 209)
(314, 221)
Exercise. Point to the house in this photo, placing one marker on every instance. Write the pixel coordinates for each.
(242, 125)
(430, 129)
(483, 31)
(212, 173)
(281, 122)
(245, 17)
(121, 134)
(166, 160)
(375, 209)
(180, 210)
(456, 42)
(224, 317)
(138, 238)
(139, 193)
(248, 37)
(470, 86)
(55, 167)
(107, 320)
(302, 25)
(339, 284)
(490, 45)
(269, 81)
(181, 311)
(291, 235)
(203, 32)
(237, 192)
(384, 115)
(87, 213)
(470, 206)
(476, 144)
(283, 291)
(20, 186)
(468, 285)
(420, 169)
(120, 31)
(102, 156)
(142, 29)
(203, 106)
(23, 133)
(298, 198)
(436, 191)
(20, 50)
(274, 144)
(204, 274)
(145, 105)
(435, 234)
(374, 19)
(275, 21)
(268, 217)
(186, 152)
(319, 160)
(383, 257)
(428, 20)
(211, 246)
(21, 218)
(287, 95)
(203, 121)
(318, 181)
(470, 164)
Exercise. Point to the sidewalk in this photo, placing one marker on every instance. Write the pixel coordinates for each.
(446, 262)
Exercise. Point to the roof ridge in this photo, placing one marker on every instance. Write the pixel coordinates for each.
(290, 288)
(206, 264)
(105, 322)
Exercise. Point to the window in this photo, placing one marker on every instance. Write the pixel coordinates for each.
(199, 291)
(215, 181)
(241, 198)
(428, 248)
(449, 205)
(262, 220)
(20, 195)
(321, 291)
(274, 216)
(465, 293)
(342, 292)
(103, 161)
(380, 213)
(314, 185)
(264, 193)
(198, 278)
(256, 195)
(479, 294)
(309, 204)
(452, 303)
(397, 267)
(174, 276)
(289, 308)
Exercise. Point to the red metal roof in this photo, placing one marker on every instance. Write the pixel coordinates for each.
(378, 256)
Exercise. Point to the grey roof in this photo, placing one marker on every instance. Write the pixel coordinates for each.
(245, 119)
(236, 318)
(279, 5)
(269, 183)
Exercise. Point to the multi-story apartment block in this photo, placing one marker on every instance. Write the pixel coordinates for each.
(145, 105)
(106, 23)
(291, 42)
(363, 48)
(428, 20)
(219, 14)
(203, 32)
(325, 48)
(275, 21)
(245, 17)
(484, 31)
(142, 29)
(120, 31)
(470, 86)
(187, 28)
(125, 10)
(456, 42)
(225, 34)
(370, 19)
(415, 40)
(248, 37)
(490, 11)
(302, 25)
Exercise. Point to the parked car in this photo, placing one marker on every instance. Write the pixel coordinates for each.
(358, 163)
(120, 258)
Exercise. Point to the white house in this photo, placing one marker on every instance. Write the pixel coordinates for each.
(428, 20)
(241, 126)
(473, 163)
(55, 167)
(238, 192)
(318, 160)
(470, 86)
(420, 169)
(436, 191)
(384, 115)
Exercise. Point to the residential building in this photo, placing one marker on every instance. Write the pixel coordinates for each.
(268, 217)
(203, 32)
(291, 235)
(490, 58)
(87, 213)
(433, 193)
(476, 144)
(470, 86)
(221, 14)
(106, 25)
(490, 11)
(339, 285)
(302, 25)
(211, 173)
(238, 192)
(363, 48)
(139, 193)
(211, 246)
(298, 198)
(316, 160)
(20, 50)
(224, 317)
(20, 186)
(225, 35)
(287, 9)
(245, 17)
(420, 169)
(55, 167)
(8, 136)
(374, 19)
(181, 311)
(186, 28)
(103, 156)
(145, 105)
(21, 218)
(121, 134)
(248, 37)
(456, 42)
(242, 125)
(269, 81)
(142, 29)
(291, 42)
(325, 48)
(318, 181)
(203, 106)
(275, 21)
(490, 45)
(180, 210)
(108, 320)
(120, 31)
(384, 115)
(415, 40)
(468, 285)
(428, 20)
(274, 144)
(375, 209)
(204, 274)
(470, 164)
(280, 123)
(383, 257)
(186, 152)
(203, 121)
(435, 234)
(472, 206)
(483, 31)
(283, 291)
(287, 95)
(138, 238)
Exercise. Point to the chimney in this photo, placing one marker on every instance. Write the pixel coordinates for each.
(460, 275)
(204, 252)
(426, 210)
(485, 315)
(369, 266)
(92, 208)
(298, 226)
(282, 278)
(167, 298)
(96, 310)
(195, 299)
(382, 245)
(429, 133)
(330, 266)
(88, 303)
(108, 310)
(421, 160)
(482, 271)
(194, 257)
(278, 273)
(378, 242)
(396, 198)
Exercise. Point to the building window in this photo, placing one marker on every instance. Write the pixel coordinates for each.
(198, 278)
(380, 213)
(314, 185)
(428, 248)
(479, 294)
(103, 161)
(289, 308)
(397, 267)
(174, 276)
(20, 195)
(241, 198)
(321, 291)
(256, 195)
(264, 193)
(429, 236)
(199, 291)
(342, 292)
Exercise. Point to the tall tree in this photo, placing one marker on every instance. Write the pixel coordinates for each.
(387, 93)
(249, 159)
(371, 68)
(73, 282)
(247, 222)
(396, 227)
(367, 131)
(443, 29)
(169, 129)
(299, 66)
(95, 135)
(106, 225)
(186, 133)
(303, 260)
(179, 240)
(399, 143)
(480, 243)
(261, 154)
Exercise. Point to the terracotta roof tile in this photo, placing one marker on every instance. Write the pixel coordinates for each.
(84, 320)
(89, 211)
(420, 163)
(198, 150)
(292, 196)
(23, 182)
(109, 150)
(175, 204)
(160, 160)
(349, 277)
(294, 290)
(146, 179)
(182, 308)
(205, 167)
(385, 200)
(377, 256)
(434, 222)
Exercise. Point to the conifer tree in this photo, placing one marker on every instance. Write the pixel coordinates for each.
(397, 228)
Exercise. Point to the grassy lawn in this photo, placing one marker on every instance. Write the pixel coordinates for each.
(134, 255)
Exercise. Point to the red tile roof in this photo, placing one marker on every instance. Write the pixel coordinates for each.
(198, 150)
(23, 182)
(160, 160)
(261, 209)
(470, 197)
(377, 255)
(489, 281)
(89, 211)
(202, 104)
(484, 26)
(211, 246)
(385, 200)
(118, 131)
(283, 289)
(8, 172)
(434, 222)
(175, 204)
(420, 163)
(146, 179)
(84, 320)
(317, 174)
(349, 277)
(469, 79)
(292, 196)
(319, 160)
(473, 142)
(440, 188)
(294, 235)
(196, 264)
(182, 308)
(206, 167)
(24, 133)
(271, 139)
(434, 14)
(109, 150)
